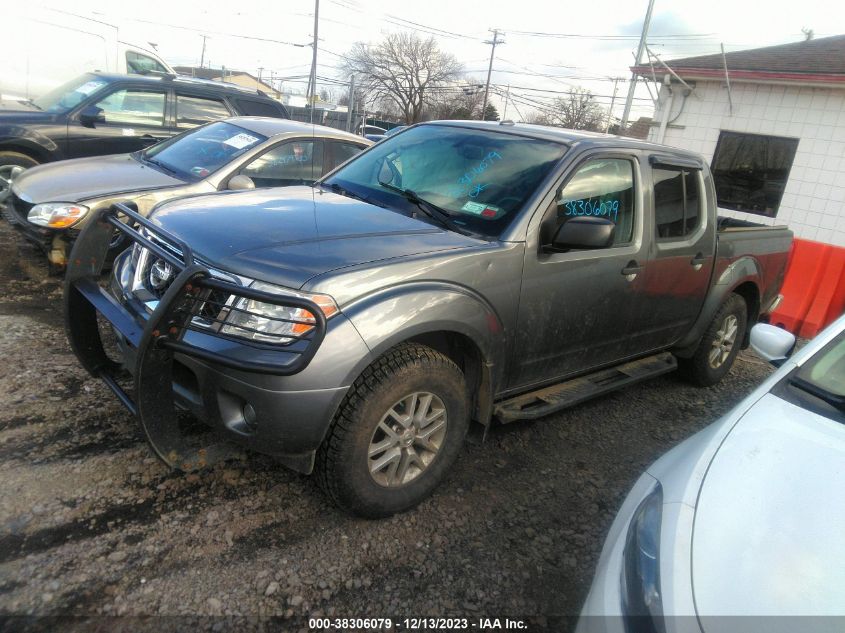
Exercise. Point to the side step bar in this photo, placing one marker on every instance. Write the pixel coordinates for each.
(547, 400)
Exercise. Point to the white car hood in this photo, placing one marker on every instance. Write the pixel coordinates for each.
(769, 532)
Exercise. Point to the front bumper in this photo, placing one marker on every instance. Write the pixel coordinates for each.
(258, 394)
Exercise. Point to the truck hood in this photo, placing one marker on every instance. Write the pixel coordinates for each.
(16, 112)
(83, 178)
(770, 518)
(287, 236)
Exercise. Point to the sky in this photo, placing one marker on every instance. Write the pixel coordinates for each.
(549, 46)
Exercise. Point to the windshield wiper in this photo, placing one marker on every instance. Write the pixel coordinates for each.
(31, 102)
(343, 191)
(160, 165)
(833, 399)
(430, 209)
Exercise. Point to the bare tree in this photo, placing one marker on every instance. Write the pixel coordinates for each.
(403, 69)
(578, 111)
(459, 101)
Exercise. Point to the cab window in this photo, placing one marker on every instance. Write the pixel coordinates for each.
(602, 187)
(133, 107)
(138, 64)
(677, 203)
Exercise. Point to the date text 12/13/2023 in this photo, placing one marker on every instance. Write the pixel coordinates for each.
(417, 624)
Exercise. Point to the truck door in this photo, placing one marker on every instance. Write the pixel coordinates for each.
(683, 233)
(583, 308)
(130, 118)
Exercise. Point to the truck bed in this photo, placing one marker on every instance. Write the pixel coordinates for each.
(769, 246)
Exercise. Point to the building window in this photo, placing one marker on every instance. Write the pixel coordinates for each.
(750, 171)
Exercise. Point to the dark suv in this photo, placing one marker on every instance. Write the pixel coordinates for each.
(98, 114)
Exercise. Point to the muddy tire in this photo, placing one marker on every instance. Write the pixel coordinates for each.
(396, 434)
(719, 346)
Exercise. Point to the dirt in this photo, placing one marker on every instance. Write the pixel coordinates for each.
(94, 525)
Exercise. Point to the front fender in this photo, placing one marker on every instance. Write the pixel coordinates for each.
(41, 147)
(392, 315)
(738, 272)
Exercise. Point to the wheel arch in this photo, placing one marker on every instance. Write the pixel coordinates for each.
(742, 277)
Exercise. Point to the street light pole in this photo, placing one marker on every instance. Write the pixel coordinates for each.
(312, 81)
(633, 86)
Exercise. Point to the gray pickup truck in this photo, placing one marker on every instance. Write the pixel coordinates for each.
(455, 272)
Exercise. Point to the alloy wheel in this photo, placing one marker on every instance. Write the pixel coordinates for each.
(407, 439)
(724, 342)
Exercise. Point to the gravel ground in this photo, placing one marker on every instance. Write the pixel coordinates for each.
(93, 524)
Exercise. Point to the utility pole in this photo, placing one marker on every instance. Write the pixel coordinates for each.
(260, 70)
(640, 49)
(494, 41)
(312, 80)
(202, 55)
(351, 105)
(507, 98)
(612, 103)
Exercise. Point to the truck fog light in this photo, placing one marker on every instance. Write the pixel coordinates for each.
(250, 416)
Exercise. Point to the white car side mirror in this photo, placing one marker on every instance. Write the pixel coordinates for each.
(772, 343)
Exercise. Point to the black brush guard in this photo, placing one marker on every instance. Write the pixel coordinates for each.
(164, 332)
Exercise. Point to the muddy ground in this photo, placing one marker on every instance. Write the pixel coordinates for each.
(91, 524)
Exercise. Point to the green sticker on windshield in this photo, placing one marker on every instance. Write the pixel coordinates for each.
(474, 207)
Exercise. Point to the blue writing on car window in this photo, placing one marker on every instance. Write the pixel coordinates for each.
(601, 208)
(466, 185)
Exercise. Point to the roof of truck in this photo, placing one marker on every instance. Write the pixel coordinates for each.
(220, 86)
(567, 136)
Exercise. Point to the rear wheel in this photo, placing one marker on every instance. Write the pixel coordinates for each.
(397, 433)
(12, 164)
(720, 344)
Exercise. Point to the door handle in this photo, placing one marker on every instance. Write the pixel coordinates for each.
(698, 261)
(631, 270)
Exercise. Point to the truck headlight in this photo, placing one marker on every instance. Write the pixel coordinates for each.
(56, 215)
(643, 604)
(266, 322)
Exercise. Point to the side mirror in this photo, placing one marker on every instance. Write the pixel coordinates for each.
(239, 182)
(91, 115)
(772, 343)
(584, 232)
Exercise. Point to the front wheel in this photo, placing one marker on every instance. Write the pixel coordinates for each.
(720, 344)
(397, 433)
(12, 164)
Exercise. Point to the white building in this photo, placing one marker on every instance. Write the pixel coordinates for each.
(772, 126)
(771, 123)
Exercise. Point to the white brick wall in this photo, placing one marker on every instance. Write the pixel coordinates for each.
(813, 204)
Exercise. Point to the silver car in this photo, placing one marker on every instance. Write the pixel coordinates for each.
(745, 518)
(50, 203)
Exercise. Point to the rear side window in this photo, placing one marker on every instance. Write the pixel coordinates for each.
(677, 202)
(248, 107)
(193, 111)
(342, 152)
(603, 188)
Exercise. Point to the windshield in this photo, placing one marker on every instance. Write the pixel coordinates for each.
(202, 151)
(481, 178)
(69, 95)
(826, 369)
